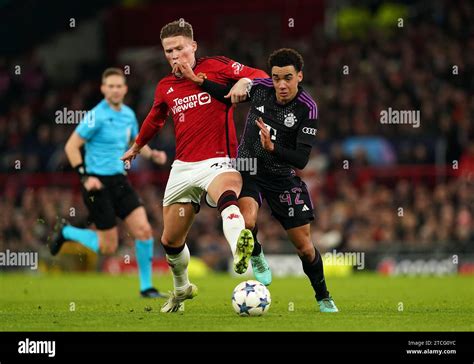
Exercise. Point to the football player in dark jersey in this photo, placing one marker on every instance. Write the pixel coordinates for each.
(279, 131)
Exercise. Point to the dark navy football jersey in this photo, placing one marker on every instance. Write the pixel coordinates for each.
(289, 124)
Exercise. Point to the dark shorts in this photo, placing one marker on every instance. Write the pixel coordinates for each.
(287, 197)
(116, 199)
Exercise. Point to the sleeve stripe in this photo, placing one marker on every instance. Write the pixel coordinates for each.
(222, 59)
(217, 59)
(308, 101)
(263, 81)
(313, 105)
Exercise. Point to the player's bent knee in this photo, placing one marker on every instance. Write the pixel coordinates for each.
(235, 185)
(249, 219)
(232, 178)
(171, 243)
(249, 215)
(143, 232)
(224, 182)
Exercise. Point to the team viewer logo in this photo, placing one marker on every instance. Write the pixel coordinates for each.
(204, 98)
(182, 104)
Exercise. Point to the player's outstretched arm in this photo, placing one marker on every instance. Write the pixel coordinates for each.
(217, 91)
(153, 123)
(239, 92)
(226, 94)
(132, 153)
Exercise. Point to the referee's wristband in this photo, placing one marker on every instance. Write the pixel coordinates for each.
(81, 171)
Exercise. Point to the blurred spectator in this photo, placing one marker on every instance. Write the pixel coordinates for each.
(466, 164)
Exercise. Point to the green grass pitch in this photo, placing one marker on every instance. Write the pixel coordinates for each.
(367, 302)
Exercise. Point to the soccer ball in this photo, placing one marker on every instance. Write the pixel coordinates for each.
(251, 298)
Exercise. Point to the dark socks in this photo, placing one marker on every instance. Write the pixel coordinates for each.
(173, 251)
(257, 248)
(228, 198)
(315, 273)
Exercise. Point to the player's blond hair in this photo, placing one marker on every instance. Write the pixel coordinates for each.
(176, 28)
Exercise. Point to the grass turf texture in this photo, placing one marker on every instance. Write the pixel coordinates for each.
(110, 303)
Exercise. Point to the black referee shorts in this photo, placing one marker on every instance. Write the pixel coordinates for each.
(116, 199)
(287, 197)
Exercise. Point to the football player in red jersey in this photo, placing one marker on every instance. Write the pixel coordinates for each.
(206, 144)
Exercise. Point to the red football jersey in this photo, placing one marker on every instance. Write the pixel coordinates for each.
(204, 127)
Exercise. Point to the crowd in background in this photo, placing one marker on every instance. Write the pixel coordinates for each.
(369, 218)
(426, 66)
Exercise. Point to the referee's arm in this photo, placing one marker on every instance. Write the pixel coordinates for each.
(73, 152)
(73, 149)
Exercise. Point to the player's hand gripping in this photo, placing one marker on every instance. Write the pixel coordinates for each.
(238, 92)
(187, 72)
(92, 184)
(265, 138)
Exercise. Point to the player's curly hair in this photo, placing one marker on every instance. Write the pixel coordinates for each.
(286, 57)
(176, 28)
